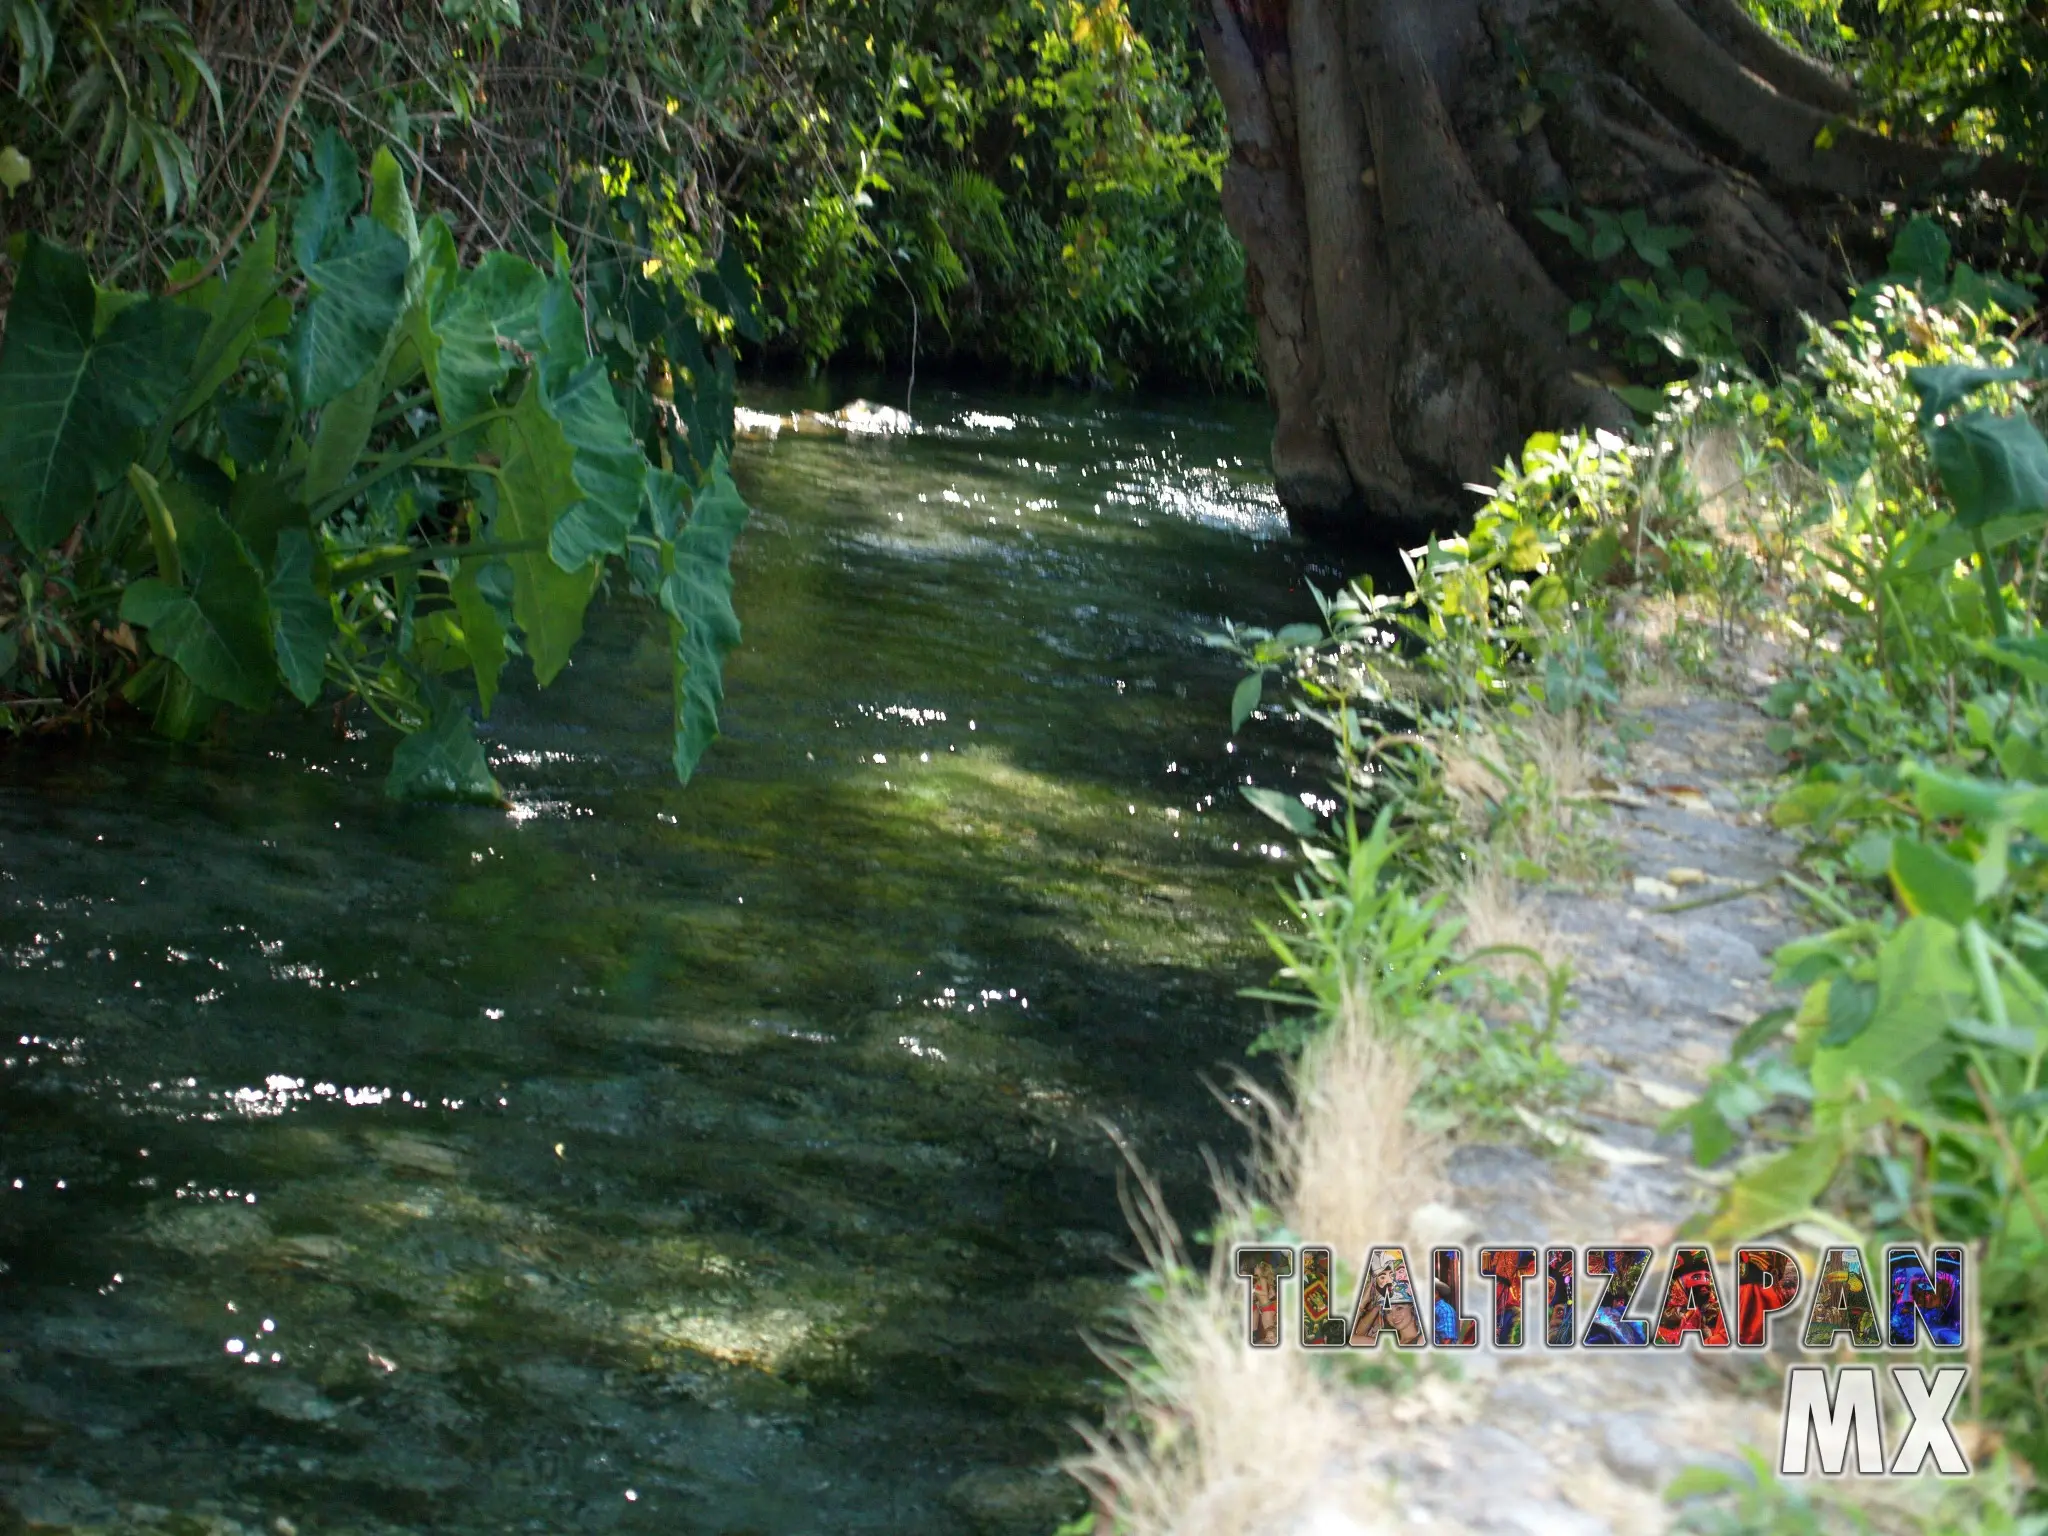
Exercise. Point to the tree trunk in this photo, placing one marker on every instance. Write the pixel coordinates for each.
(1389, 158)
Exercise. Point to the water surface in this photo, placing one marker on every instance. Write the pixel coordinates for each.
(714, 1160)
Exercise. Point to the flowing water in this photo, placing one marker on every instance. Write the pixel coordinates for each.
(722, 1159)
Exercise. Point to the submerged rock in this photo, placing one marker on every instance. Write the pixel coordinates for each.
(1022, 1500)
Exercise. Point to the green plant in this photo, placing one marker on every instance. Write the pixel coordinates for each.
(1656, 318)
(1032, 184)
(1751, 1501)
(1902, 1098)
(1360, 941)
(415, 467)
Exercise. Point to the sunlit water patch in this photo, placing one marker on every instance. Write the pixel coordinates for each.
(721, 1160)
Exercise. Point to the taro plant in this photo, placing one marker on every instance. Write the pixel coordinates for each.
(358, 467)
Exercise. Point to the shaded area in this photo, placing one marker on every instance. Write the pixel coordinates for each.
(724, 1160)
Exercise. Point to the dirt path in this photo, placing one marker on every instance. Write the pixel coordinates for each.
(1575, 1443)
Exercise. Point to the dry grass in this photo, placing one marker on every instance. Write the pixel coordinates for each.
(1498, 914)
(1220, 1438)
(1524, 793)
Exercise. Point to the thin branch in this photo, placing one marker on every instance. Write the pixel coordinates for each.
(277, 143)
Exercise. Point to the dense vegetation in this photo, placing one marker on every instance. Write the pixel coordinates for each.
(350, 454)
(1888, 530)
(1030, 185)
(1960, 75)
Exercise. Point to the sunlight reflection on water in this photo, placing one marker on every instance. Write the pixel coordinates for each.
(736, 1145)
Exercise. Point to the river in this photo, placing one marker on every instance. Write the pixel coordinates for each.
(713, 1159)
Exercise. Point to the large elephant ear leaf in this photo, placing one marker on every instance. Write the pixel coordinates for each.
(1943, 386)
(443, 762)
(44, 394)
(470, 315)
(696, 593)
(73, 404)
(215, 628)
(608, 467)
(1991, 466)
(335, 193)
(301, 618)
(535, 485)
(358, 294)
(483, 632)
(1921, 254)
(390, 203)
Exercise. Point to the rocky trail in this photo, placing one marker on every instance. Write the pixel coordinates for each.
(1581, 1443)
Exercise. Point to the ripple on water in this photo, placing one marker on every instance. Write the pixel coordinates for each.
(733, 1147)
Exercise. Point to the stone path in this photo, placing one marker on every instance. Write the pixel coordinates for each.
(1581, 1443)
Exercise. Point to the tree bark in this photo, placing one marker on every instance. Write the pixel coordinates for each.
(1390, 157)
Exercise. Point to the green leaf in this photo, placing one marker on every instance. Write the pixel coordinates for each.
(2024, 759)
(1285, 809)
(247, 310)
(1695, 1482)
(536, 484)
(1759, 1032)
(1712, 1137)
(696, 593)
(2018, 1039)
(440, 262)
(1940, 796)
(215, 629)
(668, 497)
(483, 633)
(1933, 882)
(1852, 1005)
(74, 406)
(1941, 387)
(2028, 656)
(564, 347)
(358, 294)
(728, 289)
(459, 342)
(262, 505)
(1779, 1191)
(1980, 290)
(301, 618)
(1921, 253)
(1870, 856)
(147, 599)
(163, 533)
(443, 762)
(706, 407)
(1923, 982)
(343, 433)
(1246, 699)
(336, 192)
(1562, 223)
(609, 468)
(1991, 466)
(390, 203)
